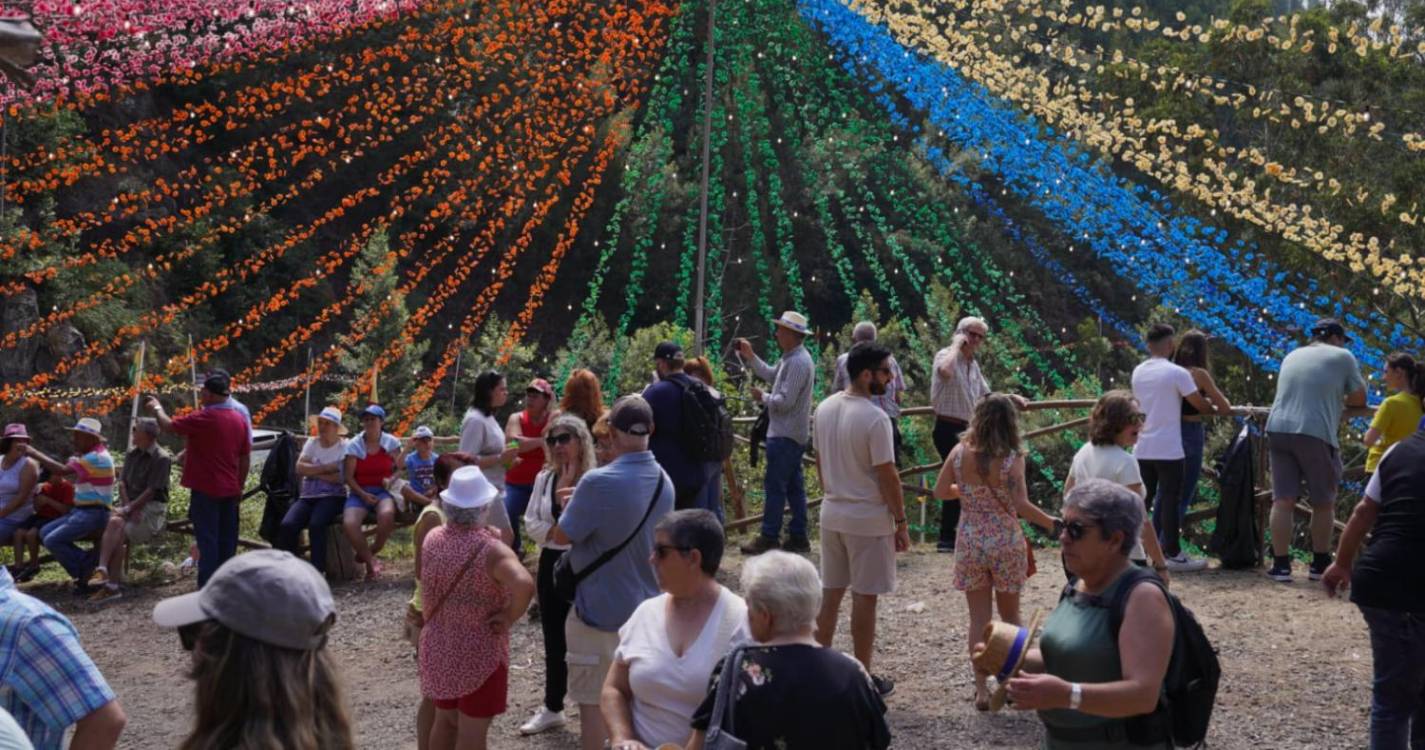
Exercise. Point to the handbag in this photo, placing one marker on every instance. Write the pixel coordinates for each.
(720, 726)
(416, 619)
(567, 580)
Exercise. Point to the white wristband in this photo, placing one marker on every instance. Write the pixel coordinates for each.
(1076, 696)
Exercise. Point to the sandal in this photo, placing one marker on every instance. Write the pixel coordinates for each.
(373, 570)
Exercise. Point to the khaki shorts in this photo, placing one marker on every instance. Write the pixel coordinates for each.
(865, 564)
(1299, 460)
(590, 654)
(149, 523)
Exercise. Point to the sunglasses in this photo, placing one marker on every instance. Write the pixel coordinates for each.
(1076, 529)
(661, 550)
(562, 438)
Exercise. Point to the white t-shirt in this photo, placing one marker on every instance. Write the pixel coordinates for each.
(852, 436)
(313, 452)
(1159, 386)
(668, 689)
(481, 435)
(1114, 464)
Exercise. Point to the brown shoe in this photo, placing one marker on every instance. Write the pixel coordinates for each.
(760, 544)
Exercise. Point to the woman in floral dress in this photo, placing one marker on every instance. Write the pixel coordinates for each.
(986, 472)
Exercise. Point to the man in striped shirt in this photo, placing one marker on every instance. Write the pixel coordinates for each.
(92, 471)
(788, 432)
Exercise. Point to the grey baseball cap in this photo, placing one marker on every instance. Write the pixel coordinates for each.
(633, 415)
(267, 595)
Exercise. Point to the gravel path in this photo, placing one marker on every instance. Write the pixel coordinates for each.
(1296, 665)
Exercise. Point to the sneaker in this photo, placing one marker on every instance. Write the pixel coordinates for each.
(99, 577)
(1318, 568)
(542, 721)
(947, 548)
(760, 544)
(105, 594)
(27, 574)
(1280, 573)
(1181, 563)
(884, 685)
(797, 544)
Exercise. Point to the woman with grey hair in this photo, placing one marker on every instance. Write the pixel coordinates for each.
(1088, 688)
(669, 646)
(473, 589)
(792, 694)
(569, 453)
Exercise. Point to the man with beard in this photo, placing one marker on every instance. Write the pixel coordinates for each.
(863, 522)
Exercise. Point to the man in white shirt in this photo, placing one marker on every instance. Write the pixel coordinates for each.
(1161, 387)
(863, 522)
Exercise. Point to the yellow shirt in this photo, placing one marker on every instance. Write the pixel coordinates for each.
(432, 509)
(1395, 418)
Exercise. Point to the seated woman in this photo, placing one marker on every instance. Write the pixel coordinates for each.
(792, 694)
(669, 646)
(371, 459)
(1085, 686)
(323, 495)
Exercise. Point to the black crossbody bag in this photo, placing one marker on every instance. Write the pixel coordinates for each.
(567, 580)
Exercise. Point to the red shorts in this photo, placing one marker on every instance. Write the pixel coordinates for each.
(487, 701)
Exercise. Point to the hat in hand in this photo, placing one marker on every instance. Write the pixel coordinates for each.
(1005, 648)
(267, 595)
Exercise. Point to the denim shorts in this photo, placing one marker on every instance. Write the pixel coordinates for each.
(380, 493)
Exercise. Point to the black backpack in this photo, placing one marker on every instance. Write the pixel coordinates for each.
(707, 424)
(1190, 686)
(279, 481)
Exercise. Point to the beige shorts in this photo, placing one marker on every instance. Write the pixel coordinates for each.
(590, 654)
(147, 525)
(865, 564)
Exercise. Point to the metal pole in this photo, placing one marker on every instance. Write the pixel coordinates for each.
(455, 384)
(307, 408)
(192, 372)
(700, 316)
(138, 381)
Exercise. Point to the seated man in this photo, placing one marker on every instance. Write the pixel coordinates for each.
(53, 498)
(142, 511)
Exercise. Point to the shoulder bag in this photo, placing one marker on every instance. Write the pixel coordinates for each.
(567, 580)
(719, 735)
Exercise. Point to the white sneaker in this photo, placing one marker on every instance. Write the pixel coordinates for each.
(1184, 564)
(542, 721)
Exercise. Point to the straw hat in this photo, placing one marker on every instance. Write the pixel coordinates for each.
(1005, 648)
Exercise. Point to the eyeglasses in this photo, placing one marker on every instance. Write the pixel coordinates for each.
(560, 439)
(188, 634)
(661, 550)
(1139, 417)
(1077, 529)
(976, 335)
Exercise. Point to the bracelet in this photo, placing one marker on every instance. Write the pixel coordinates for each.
(901, 520)
(1076, 696)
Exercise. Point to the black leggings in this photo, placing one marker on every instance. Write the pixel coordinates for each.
(552, 613)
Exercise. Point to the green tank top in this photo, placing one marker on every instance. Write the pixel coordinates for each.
(1078, 645)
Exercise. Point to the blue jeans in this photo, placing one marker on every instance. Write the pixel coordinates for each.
(516, 501)
(783, 485)
(1398, 690)
(215, 529)
(1194, 443)
(59, 536)
(316, 515)
(711, 496)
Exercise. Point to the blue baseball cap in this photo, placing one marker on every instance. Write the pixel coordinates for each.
(374, 410)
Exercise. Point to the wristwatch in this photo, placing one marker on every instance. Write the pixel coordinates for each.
(1076, 696)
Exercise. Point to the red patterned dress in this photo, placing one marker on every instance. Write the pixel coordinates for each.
(459, 649)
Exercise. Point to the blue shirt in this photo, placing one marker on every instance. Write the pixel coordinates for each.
(1311, 391)
(47, 682)
(666, 399)
(420, 472)
(608, 504)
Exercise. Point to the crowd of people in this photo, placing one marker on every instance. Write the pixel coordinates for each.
(623, 506)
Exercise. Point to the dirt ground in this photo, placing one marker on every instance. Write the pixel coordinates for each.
(1296, 666)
